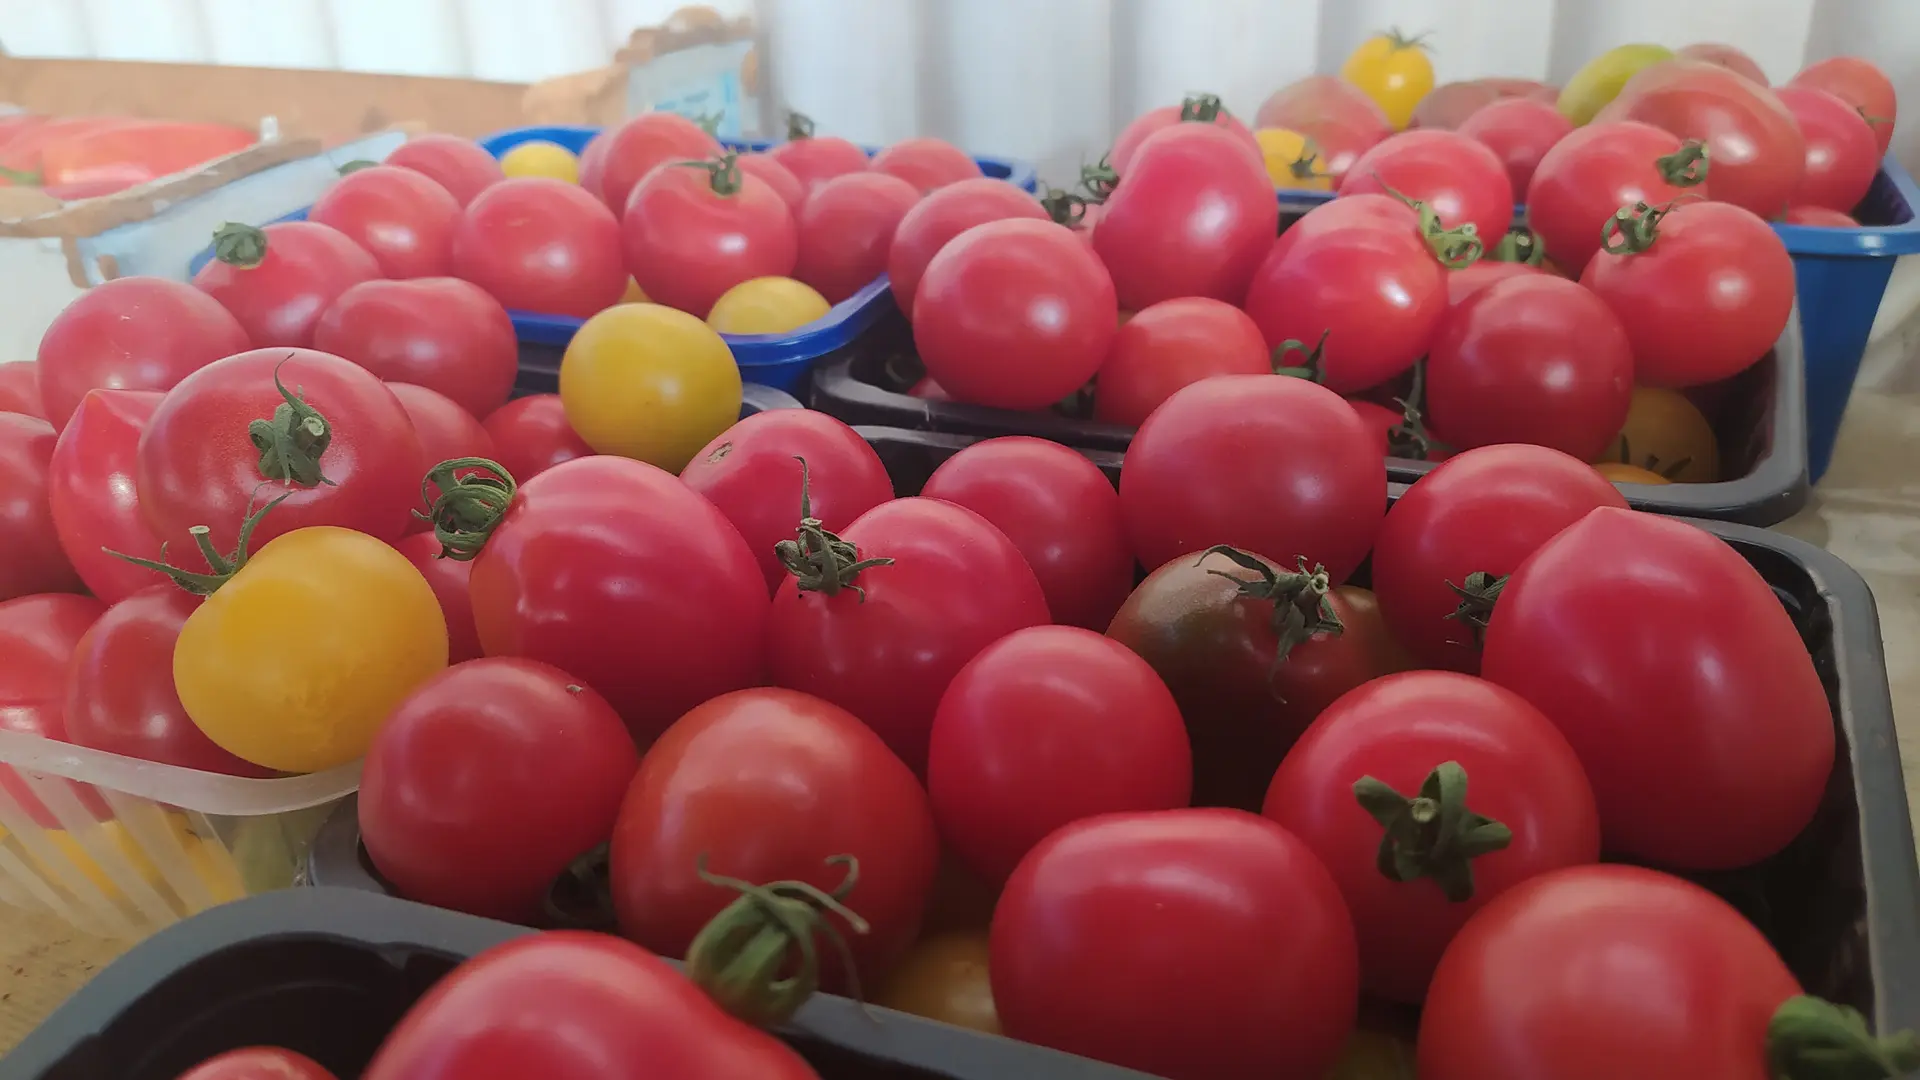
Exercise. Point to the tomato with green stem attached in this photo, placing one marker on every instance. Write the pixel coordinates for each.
(693, 230)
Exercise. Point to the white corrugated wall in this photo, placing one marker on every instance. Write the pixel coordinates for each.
(1048, 80)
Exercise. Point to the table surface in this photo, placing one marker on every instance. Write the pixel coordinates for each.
(1867, 511)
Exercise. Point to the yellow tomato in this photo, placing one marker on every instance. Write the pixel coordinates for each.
(298, 659)
(1394, 71)
(541, 158)
(634, 294)
(210, 864)
(767, 305)
(649, 382)
(1665, 433)
(945, 979)
(1374, 1055)
(1620, 473)
(1292, 160)
(1600, 81)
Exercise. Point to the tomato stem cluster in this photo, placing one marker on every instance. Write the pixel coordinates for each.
(1098, 180)
(244, 246)
(1519, 246)
(222, 567)
(723, 172)
(1633, 229)
(292, 441)
(466, 498)
(1477, 596)
(1201, 108)
(1301, 606)
(1685, 167)
(738, 958)
(819, 560)
(1456, 248)
(799, 126)
(1811, 1039)
(1312, 366)
(1064, 207)
(1433, 834)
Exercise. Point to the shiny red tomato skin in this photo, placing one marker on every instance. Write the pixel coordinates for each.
(778, 177)
(1459, 177)
(1520, 772)
(1341, 119)
(486, 838)
(258, 1063)
(444, 334)
(956, 585)
(943, 215)
(1695, 1003)
(815, 159)
(1152, 122)
(1821, 216)
(1691, 769)
(35, 562)
(1756, 151)
(1843, 154)
(38, 636)
(749, 472)
(1321, 496)
(20, 388)
(91, 494)
(531, 435)
(643, 142)
(1260, 965)
(1590, 174)
(1170, 345)
(1725, 56)
(593, 163)
(1047, 726)
(687, 243)
(133, 333)
(278, 302)
(927, 164)
(542, 245)
(846, 229)
(196, 464)
(661, 607)
(445, 430)
(448, 580)
(1519, 131)
(457, 164)
(1481, 510)
(769, 784)
(403, 218)
(568, 1005)
(1061, 513)
(1469, 280)
(1860, 84)
(1016, 314)
(1709, 298)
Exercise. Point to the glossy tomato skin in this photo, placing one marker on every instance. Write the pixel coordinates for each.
(1843, 155)
(1469, 280)
(1340, 118)
(1691, 769)
(441, 333)
(487, 838)
(445, 430)
(1482, 510)
(1170, 345)
(1519, 131)
(1152, 122)
(1590, 174)
(457, 164)
(1262, 961)
(661, 607)
(35, 562)
(197, 464)
(38, 636)
(1861, 85)
(956, 585)
(749, 472)
(92, 497)
(306, 268)
(1821, 216)
(403, 218)
(1709, 298)
(531, 435)
(778, 177)
(1757, 152)
(567, 1005)
(688, 239)
(846, 228)
(1398, 730)
(643, 142)
(258, 1063)
(815, 159)
(1047, 726)
(769, 784)
(943, 215)
(1726, 56)
(448, 579)
(133, 333)
(927, 164)
(1696, 1002)
(542, 245)
(1059, 510)
(1016, 314)
(20, 388)
(1321, 498)
(1459, 177)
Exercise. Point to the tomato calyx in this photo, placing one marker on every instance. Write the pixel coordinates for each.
(1811, 1039)
(1633, 229)
(1312, 366)
(1398, 40)
(356, 165)
(1098, 180)
(1202, 108)
(799, 126)
(466, 498)
(1519, 246)
(740, 957)
(1409, 438)
(243, 246)
(1306, 166)
(1685, 167)
(581, 898)
(1477, 596)
(819, 560)
(1301, 604)
(1433, 834)
(1456, 248)
(222, 567)
(723, 172)
(292, 441)
(1064, 207)
(710, 122)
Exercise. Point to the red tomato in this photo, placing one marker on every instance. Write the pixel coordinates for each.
(448, 579)
(778, 177)
(1016, 314)
(885, 640)
(593, 162)
(1535, 359)
(445, 430)
(1753, 143)
(403, 218)
(660, 606)
(1860, 84)
(92, 497)
(134, 333)
(198, 464)
(1469, 280)
(815, 159)
(768, 785)
(457, 164)
(441, 333)
(1061, 513)
(943, 215)
(1319, 496)
(1449, 105)
(1511, 801)
(1843, 155)
(1194, 216)
(643, 142)
(279, 280)
(1260, 963)
(35, 562)
(1480, 513)
(846, 229)
(542, 245)
(1338, 116)
(1725, 56)
(531, 435)
(1709, 295)
(1170, 345)
(38, 637)
(691, 233)
(1200, 109)
(567, 1005)
(1047, 726)
(1457, 176)
(1820, 216)
(926, 163)
(258, 1063)
(1695, 1000)
(487, 838)
(1519, 131)
(1692, 769)
(1379, 419)
(20, 388)
(1592, 173)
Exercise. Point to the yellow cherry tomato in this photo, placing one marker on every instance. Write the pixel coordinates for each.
(1394, 71)
(767, 305)
(541, 158)
(1620, 473)
(1601, 79)
(944, 978)
(1374, 1055)
(208, 861)
(296, 660)
(634, 294)
(1292, 160)
(649, 382)
(1665, 433)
